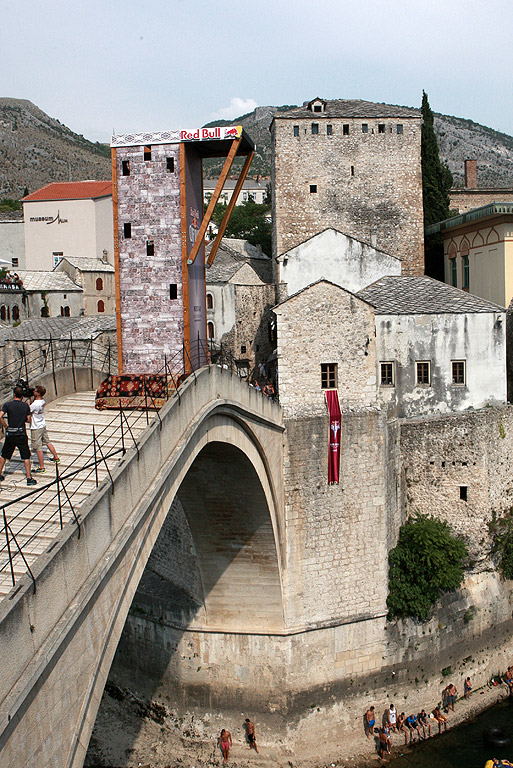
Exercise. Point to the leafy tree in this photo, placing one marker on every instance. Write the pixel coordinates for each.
(436, 182)
(503, 546)
(249, 221)
(8, 204)
(427, 561)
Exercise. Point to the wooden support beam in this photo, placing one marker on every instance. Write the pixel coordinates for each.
(213, 200)
(231, 204)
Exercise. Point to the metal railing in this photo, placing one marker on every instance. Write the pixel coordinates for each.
(27, 517)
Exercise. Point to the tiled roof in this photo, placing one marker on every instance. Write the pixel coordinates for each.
(349, 108)
(421, 295)
(41, 280)
(86, 264)
(71, 190)
(229, 260)
(82, 328)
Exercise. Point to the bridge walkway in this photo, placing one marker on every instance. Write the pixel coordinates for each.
(35, 520)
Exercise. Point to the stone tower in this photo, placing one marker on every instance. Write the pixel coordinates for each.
(354, 166)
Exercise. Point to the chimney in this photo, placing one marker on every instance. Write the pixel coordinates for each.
(471, 174)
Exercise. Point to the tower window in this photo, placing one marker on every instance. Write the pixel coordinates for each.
(150, 249)
(329, 130)
(147, 153)
(399, 128)
(173, 291)
(352, 170)
(125, 167)
(210, 301)
(329, 375)
(101, 306)
(99, 284)
(127, 230)
(381, 127)
(315, 129)
(365, 128)
(296, 130)
(170, 164)
(313, 188)
(345, 129)
(463, 492)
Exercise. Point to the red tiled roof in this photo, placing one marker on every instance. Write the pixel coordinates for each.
(71, 190)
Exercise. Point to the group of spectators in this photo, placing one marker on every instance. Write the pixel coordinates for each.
(11, 280)
(266, 388)
(414, 725)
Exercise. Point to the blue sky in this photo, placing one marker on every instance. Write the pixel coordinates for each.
(163, 64)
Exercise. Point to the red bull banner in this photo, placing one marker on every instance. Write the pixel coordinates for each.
(334, 438)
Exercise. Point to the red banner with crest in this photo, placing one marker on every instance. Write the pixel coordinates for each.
(334, 438)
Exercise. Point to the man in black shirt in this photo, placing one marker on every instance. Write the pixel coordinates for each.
(18, 414)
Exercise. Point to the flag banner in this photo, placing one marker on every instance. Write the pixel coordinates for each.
(334, 437)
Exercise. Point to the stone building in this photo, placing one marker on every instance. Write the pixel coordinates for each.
(354, 166)
(335, 256)
(472, 196)
(96, 278)
(240, 297)
(439, 349)
(51, 294)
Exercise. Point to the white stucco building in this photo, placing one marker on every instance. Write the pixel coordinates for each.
(68, 219)
(12, 240)
(341, 259)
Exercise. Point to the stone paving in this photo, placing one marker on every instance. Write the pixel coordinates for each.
(35, 520)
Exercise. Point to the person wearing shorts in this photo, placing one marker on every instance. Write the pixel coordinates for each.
(38, 433)
(17, 413)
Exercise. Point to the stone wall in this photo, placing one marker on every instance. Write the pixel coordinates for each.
(336, 328)
(463, 200)
(446, 457)
(367, 185)
(149, 199)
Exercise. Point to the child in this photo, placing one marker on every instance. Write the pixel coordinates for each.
(38, 433)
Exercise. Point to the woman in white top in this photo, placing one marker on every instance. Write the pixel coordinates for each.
(38, 433)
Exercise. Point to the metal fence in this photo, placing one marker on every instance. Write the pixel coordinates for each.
(48, 508)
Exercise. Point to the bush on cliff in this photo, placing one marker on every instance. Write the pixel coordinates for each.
(427, 561)
(503, 545)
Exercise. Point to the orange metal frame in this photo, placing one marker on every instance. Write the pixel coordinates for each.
(116, 258)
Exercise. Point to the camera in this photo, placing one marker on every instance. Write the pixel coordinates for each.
(27, 391)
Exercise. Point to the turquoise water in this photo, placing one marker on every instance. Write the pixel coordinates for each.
(462, 747)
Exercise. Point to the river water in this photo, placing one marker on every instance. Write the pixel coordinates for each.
(462, 747)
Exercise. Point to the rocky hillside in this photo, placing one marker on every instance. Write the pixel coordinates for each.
(36, 149)
(459, 140)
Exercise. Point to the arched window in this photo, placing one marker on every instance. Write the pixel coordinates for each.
(101, 306)
(15, 313)
(210, 330)
(65, 311)
(3, 312)
(210, 301)
(99, 284)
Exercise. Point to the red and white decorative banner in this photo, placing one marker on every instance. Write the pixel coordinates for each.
(334, 438)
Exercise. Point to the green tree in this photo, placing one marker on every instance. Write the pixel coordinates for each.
(427, 561)
(436, 182)
(249, 221)
(503, 545)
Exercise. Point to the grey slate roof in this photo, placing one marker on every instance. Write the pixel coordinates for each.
(86, 264)
(41, 280)
(421, 295)
(82, 328)
(349, 108)
(228, 261)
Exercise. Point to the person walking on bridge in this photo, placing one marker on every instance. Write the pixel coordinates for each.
(38, 433)
(17, 413)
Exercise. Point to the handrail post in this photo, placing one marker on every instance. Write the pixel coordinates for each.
(91, 361)
(146, 400)
(73, 362)
(121, 426)
(8, 546)
(53, 367)
(95, 458)
(57, 478)
(25, 361)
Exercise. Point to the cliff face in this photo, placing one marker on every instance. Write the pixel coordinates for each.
(35, 150)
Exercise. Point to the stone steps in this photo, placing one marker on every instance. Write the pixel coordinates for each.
(70, 423)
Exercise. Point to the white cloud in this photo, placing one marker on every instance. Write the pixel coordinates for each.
(236, 108)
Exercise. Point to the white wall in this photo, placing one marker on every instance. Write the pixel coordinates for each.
(223, 313)
(477, 338)
(12, 242)
(84, 228)
(338, 258)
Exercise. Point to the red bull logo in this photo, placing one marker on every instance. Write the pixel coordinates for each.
(202, 134)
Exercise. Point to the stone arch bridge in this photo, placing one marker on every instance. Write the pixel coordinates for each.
(218, 450)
